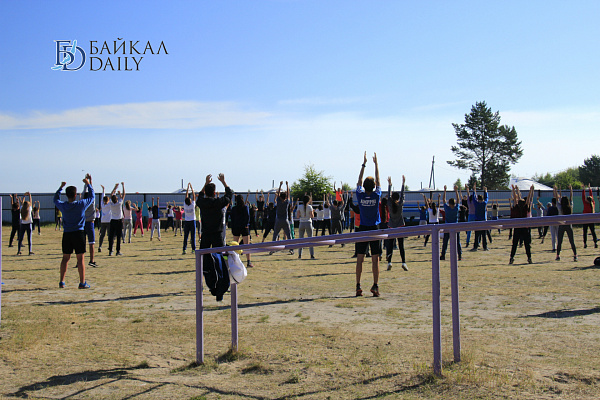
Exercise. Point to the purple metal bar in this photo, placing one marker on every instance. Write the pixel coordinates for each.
(234, 317)
(433, 230)
(199, 310)
(1, 260)
(436, 300)
(454, 289)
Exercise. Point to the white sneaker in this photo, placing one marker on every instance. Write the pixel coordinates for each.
(389, 265)
(404, 267)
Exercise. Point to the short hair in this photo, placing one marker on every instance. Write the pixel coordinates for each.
(239, 200)
(188, 201)
(114, 198)
(210, 189)
(451, 201)
(71, 192)
(369, 184)
(283, 195)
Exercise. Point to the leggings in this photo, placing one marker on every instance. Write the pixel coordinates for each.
(521, 234)
(306, 228)
(127, 227)
(326, 223)
(25, 228)
(561, 232)
(585, 229)
(14, 230)
(36, 221)
(138, 224)
(389, 249)
(115, 229)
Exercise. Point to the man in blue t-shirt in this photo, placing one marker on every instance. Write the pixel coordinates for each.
(451, 211)
(368, 197)
(73, 212)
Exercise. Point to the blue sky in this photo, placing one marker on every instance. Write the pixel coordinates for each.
(259, 89)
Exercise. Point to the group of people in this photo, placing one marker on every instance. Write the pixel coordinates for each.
(372, 211)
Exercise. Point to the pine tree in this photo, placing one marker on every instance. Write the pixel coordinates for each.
(485, 147)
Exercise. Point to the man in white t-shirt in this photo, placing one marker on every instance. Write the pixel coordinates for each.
(116, 219)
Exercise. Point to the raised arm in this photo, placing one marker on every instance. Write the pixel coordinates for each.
(287, 190)
(377, 181)
(123, 186)
(362, 170)
(114, 189)
(444, 198)
(457, 194)
(389, 194)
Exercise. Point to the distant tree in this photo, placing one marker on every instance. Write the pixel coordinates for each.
(562, 179)
(473, 181)
(312, 181)
(570, 176)
(458, 183)
(485, 147)
(547, 179)
(589, 172)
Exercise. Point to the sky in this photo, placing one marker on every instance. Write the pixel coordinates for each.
(258, 90)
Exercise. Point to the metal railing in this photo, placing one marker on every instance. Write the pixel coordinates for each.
(391, 233)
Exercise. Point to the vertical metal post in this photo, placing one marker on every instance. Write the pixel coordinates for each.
(454, 288)
(1, 260)
(234, 317)
(199, 311)
(436, 300)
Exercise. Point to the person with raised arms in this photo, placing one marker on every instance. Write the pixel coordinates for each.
(368, 197)
(73, 212)
(211, 207)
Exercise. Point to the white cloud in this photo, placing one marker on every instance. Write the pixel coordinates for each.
(151, 115)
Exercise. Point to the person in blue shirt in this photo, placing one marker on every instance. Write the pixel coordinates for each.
(451, 209)
(73, 212)
(368, 197)
(480, 203)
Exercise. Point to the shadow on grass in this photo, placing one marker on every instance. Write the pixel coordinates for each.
(143, 296)
(566, 313)
(585, 268)
(85, 376)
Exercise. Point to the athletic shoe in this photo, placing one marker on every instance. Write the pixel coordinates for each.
(585, 245)
(93, 264)
(529, 260)
(119, 254)
(557, 258)
(99, 249)
(110, 253)
(84, 285)
(575, 258)
(358, 290)
(250, 265)
(375, 290)
(313, 257)
(184, 252)
(404, 267)
(61, 285)
(512, 260)
(389, 266)
(31, 253)
(459, 257)
(442, 258)
(292, 251)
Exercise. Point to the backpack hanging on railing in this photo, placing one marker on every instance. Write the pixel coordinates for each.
(216, 275)
(237, 269)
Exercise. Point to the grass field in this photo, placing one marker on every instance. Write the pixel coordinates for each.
(529, 331)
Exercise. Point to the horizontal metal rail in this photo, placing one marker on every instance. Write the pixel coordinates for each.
(390, 233)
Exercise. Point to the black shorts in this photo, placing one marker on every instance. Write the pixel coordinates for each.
(240, 231)
(361, 247)
(73, 241)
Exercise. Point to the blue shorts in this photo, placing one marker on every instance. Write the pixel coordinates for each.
(89, 232)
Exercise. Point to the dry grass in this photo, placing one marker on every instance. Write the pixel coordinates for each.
(528, 331)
